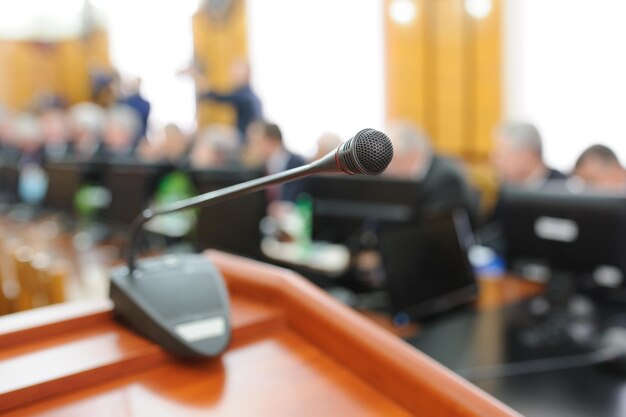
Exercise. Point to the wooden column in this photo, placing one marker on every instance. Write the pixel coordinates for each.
(219, 39)
(443, 73)
(62, 67)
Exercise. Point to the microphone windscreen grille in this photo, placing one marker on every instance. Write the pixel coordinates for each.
(373, 150)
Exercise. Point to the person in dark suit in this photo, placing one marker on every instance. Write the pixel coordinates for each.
(518, 156)
(442, 185)
(517, 159)
(242, 97)
(266, 142)
(135, 100)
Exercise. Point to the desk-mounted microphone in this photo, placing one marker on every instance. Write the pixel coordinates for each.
(180, 301)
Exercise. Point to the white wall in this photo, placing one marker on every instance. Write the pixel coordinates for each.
(565, 70)
(318, 66)
(153, 40)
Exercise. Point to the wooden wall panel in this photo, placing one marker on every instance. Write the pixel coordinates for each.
(487, 104)
(406, 95)
(74, 72)
(451, 83)
(443, 73)
(217, 43)
(31, 68)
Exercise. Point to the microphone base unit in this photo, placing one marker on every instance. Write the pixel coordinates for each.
(178, 301)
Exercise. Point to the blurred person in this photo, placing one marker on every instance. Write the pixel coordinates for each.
(121, 127)
(33, 182)
(27, 132)
(518, 156)
(132, 97)
(326, 144)
(216, 146)
(104, 86)
(48, 101)
(242, 97)
(175, 145)
(86, 124)
(171, 145)
(55, 134)
(599, 167)
(442, 185)
(149, 151)
(266, 142)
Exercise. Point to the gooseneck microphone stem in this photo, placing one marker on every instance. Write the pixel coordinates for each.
(218, 196)
(368, 152)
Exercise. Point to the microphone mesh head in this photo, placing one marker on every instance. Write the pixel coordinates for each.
(373, 151)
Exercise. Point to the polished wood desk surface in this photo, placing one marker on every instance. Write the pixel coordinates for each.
(295, 351)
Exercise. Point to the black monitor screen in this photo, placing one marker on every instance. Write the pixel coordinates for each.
(9, 178)
(64, 180)
(342, 204)
(578, 232)
(131, 187)
(427, 269)
(232, 226)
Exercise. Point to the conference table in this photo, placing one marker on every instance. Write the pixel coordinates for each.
(295, 350)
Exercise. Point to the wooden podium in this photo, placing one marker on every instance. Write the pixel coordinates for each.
(295, 352)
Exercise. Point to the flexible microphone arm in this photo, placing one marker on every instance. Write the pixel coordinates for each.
(368, 152)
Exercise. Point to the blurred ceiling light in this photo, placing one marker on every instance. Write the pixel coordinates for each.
(478, 9)
(403, 12)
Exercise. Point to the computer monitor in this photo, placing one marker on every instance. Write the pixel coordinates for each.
(427, 270)
(64, 181)
(9, 179)
(341, 205)
(131, 187)
(232, 226)
(424, 255)
(556, 229)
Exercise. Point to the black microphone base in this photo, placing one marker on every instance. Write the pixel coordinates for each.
(178, 301)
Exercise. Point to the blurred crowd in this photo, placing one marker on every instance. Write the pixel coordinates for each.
(113, 127)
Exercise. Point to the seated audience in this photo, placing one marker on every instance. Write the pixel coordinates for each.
(518, 156)
(55, 134)
(326, 144)
(170, 146)
(27, 132)
(216, 146)
(599, 167)
(122, 126)
(175, 145)
(442, 184)
(266, 142)
(86, 123)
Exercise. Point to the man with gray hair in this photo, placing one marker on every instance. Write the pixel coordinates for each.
(518, 155)
(442, 185)
(86, 122)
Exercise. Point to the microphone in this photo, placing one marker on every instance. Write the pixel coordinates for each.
(368, 152)
(180, 301)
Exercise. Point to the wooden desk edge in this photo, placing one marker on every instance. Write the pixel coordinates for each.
(353, 341)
